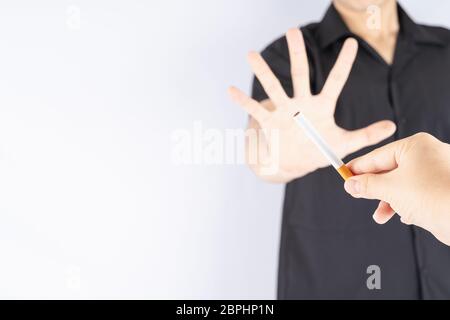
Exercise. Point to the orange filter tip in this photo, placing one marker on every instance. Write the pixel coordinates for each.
(345, 172)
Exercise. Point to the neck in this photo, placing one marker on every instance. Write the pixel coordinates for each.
(374, 23)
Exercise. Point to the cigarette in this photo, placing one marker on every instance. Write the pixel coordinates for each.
(320, 143)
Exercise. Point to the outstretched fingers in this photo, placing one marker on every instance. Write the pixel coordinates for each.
(253, 108)
(341, 70)
(383, 213)
(269, 81)
(299, 62)
(367, 136)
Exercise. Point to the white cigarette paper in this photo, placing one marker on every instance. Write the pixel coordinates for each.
(315, 137)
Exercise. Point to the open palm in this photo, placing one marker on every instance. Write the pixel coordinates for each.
(297, 154)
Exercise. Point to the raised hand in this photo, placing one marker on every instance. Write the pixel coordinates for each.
(297, 155)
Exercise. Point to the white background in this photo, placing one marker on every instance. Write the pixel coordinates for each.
(91, 205)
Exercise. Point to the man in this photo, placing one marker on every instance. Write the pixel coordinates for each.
(400, 75)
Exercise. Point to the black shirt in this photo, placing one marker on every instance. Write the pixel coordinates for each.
(328, 238)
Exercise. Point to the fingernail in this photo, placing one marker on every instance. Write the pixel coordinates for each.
(231, 92)
(391, 127)
(352, 186)
(375, 218)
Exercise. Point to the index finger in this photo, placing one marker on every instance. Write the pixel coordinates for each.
(379, 160)
(341, 70)
(299, 62)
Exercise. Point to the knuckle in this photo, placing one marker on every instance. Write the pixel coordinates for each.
(365, 185)
(368, 187)
(424, 136)
(367, 137)
(407, 218)
(422, 139)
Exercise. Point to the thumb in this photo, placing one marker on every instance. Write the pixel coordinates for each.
(370, 186)
(370, 135)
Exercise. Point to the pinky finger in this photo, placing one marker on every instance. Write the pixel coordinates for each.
(253, 107)
(383, 213)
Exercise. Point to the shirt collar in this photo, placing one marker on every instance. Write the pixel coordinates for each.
(332, 28)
